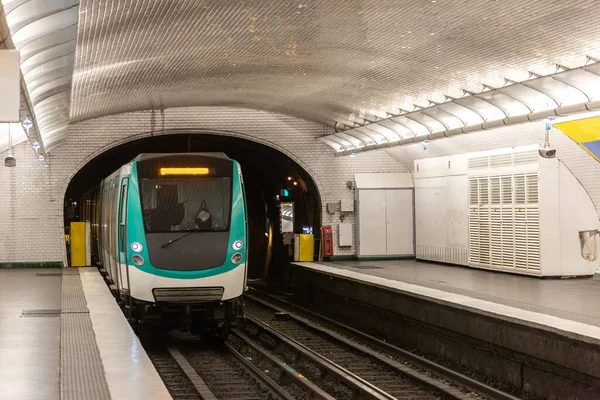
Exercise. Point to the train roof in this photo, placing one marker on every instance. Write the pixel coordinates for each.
(149, 156)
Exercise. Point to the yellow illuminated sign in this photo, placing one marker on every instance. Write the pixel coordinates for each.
(184, 171)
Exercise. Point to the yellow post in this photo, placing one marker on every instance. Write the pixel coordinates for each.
(78, 244)
(307, 247)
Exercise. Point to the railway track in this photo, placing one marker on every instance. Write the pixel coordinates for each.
(278, 353)
(195, 370)
(398, 373)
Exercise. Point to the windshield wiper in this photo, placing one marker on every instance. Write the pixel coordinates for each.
(180, 237)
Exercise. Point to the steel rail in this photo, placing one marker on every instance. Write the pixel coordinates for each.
(259, 375)
(354, 382)
(288, 370)
(383, 347)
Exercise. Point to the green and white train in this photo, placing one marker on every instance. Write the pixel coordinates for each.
(172, 237)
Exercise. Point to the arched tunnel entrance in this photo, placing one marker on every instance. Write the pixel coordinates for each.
(268, 175)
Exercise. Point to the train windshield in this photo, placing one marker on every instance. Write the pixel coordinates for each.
(185, 193)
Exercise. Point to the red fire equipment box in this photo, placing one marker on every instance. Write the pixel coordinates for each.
(327, 240)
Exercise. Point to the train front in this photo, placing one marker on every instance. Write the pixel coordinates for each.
(187, 235)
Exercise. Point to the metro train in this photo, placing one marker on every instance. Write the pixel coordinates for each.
(170, 231)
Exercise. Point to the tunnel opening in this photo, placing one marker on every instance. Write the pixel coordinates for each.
(271, 179)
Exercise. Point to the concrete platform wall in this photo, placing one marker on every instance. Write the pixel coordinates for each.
(523, 358)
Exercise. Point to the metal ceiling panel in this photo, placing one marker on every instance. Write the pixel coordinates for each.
(465, 114)
(485, 109)
(561, 92)
(43, 26)
(533, 98)
(389, 134)
(45, 42)
(509, 105)
(370, 136)
(587, 82)
(400, 130)
(33, 10)
(415, 128)
(432, 124)
(326, 61)
(446, 118)
(49, 66)
(48, 55)
(44, 31)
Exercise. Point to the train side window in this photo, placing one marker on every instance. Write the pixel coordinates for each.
(122, 214)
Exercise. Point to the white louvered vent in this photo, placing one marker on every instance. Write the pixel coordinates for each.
(495, 190)
(474, 191)
(478, 162)
(506, 189)
(526, 157)
(501, 160)
(504, 227)
(531, 188)
(519, 189)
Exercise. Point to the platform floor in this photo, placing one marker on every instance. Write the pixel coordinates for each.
(570, 305)
(62, 336)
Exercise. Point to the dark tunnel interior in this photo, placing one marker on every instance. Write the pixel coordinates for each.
(267, 173)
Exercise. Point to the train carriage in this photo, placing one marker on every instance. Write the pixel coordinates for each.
(172, 237)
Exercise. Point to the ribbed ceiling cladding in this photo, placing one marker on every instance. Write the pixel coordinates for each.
(563, 93)
(44, 31)
(327, 61)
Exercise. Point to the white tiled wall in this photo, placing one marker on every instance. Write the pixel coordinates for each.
(31, 196)
(30, 221)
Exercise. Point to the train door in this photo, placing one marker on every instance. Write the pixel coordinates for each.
(245, 228)
(123, 273)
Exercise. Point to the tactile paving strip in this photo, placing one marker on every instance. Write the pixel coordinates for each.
(82, 372)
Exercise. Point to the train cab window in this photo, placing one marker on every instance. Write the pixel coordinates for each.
(182, 202)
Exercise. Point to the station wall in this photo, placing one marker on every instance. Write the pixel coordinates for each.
(31, 195)
(31, 204)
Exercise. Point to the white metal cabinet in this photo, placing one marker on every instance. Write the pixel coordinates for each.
(372, 215)
(399, 215)
(386, 224)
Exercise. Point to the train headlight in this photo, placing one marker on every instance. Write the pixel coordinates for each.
(237, 245)
(236, 258)
(137, 247)
(137, 259)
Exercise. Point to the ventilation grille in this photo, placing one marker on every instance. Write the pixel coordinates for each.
(188, 295)
(503, 160)
(443, 254)
(504, 223)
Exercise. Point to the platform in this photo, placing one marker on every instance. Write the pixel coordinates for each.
(62, 336)
(530, 332)
(574, 300)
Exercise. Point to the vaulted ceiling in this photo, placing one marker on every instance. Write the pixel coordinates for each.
(342, 63)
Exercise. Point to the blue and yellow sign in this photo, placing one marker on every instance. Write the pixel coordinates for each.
(586, 132)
